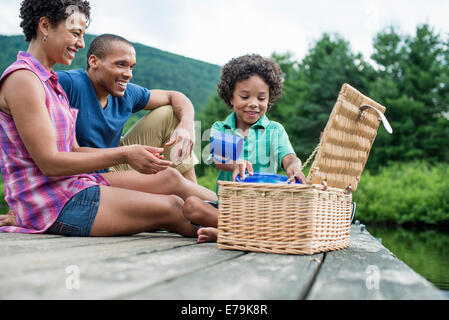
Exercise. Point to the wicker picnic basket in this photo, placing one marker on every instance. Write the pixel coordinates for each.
(312, 218)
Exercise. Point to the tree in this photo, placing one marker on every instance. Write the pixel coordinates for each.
(310, 93)
(412, 84)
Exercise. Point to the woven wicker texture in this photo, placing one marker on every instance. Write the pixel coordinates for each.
(285, 219)
(305, 219)
(347, 140)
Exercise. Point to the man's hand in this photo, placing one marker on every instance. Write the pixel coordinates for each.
(145, 159)
(183, 139)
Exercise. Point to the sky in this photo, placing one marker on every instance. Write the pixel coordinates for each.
(215, 31)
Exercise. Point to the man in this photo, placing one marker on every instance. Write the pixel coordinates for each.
(106, 100)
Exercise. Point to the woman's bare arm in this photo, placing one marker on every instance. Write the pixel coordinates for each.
(38, 135)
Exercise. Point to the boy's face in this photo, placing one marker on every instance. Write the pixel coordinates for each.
(250, 101)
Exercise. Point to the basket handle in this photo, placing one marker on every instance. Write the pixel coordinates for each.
(381, 115)
(304, 165)
(354, 209)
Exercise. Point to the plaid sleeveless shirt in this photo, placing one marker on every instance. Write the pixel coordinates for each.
(35, 199)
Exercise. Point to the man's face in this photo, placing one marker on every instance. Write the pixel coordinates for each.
(116, 69)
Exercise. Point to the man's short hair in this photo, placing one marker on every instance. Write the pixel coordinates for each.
(102, 44)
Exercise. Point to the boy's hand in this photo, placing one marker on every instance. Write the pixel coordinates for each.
(293, 168)
(240, 168)
(294, 171)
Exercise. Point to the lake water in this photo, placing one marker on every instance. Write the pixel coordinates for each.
(426, 251)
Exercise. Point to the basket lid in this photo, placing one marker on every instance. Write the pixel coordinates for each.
(347, 140)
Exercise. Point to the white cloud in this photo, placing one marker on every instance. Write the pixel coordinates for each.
(217, 30)
(9, 17)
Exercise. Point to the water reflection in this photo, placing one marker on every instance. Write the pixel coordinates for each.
(425, 251)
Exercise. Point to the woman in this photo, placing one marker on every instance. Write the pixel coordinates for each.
(43, 167)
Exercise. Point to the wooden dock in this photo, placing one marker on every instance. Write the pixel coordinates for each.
(162, 265)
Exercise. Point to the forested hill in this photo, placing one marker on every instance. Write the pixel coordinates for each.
(156, 69)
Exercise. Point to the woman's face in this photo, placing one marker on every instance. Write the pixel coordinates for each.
(250, 100)
(65, 39)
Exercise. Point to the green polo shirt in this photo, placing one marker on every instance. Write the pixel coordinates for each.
(265, 147)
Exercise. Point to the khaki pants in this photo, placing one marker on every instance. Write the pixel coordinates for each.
(155, 129)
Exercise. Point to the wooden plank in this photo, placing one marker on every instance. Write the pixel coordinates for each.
(123, 270)
(368, 270)
(19, 243)
(167, 266)
(6, 236)
(255, 276)
(17, 263)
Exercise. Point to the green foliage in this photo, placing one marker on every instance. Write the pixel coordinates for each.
(216, 110)
(311, 89)
(3, 205)
(405, 193)
(11, 45)
(209, 178)
(411, 81)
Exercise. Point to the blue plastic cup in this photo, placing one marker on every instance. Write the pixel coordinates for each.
(225, 147)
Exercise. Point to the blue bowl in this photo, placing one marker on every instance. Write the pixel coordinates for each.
(261, 177)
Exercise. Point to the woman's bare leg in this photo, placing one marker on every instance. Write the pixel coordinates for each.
(137, 202)
(7, 220)
(168, 181)
(124, 212)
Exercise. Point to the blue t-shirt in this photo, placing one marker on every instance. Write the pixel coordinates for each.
(97, 127)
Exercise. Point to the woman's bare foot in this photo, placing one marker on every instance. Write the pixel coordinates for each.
(7, 220)
(208, 234)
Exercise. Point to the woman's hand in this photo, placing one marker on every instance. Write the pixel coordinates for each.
(145, 159)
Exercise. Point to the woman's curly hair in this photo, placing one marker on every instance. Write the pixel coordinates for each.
(55, 10)
(242, 68)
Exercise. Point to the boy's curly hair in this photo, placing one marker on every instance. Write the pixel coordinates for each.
(242, 68)
(55, 10)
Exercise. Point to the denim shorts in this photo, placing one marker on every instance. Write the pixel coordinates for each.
(78, 215)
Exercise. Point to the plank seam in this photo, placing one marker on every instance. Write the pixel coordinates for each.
(312, 282)
(155, 284)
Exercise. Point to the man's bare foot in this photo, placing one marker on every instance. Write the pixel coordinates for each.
(208, 234)
(7, 220)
